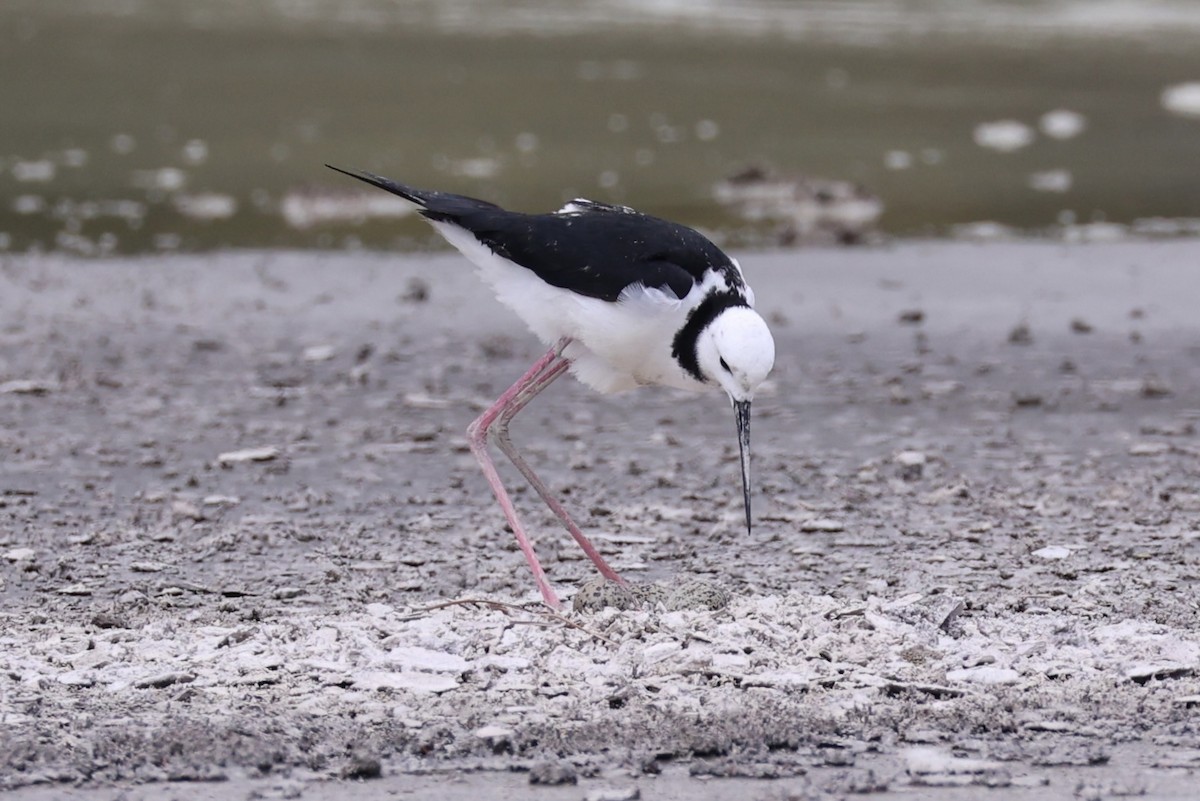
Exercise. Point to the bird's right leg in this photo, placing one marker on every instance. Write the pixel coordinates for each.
(477, 435)
(500, 435)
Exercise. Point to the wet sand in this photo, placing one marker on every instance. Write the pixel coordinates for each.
(240, 528)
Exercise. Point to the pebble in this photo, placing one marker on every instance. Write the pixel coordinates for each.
(613, 794)
(413, 681)
(160, 680)
(1149, 448)
(505, 662)
(260, 678)
(1052, 552)
(1143, 672)
(263, 454)
(553, 773)
(911, 464)
(941, 389)
(984, 674)
(363, 768)
(107, 620)
(822, 524)
(652, 654)
(1105, 790)
(24, 386)
(930, 761)
(1020, 335)
(20, 554)
(782, 679)
(498, 737)
(413, 657)
(494, 732)
(415, 291)
(186, 509)
(319, 353)
(380, 610)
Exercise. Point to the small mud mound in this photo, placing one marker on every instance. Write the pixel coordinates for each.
(687, 594)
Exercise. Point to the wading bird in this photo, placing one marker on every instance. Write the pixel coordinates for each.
(623, 299)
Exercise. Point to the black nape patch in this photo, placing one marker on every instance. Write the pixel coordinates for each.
(683, 347)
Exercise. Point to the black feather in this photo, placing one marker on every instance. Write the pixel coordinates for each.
(434, 205)
(597, 251)
(683, 347)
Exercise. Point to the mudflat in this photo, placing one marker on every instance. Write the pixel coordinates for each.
(244, 549)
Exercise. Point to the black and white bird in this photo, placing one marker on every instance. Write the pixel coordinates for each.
(623, 300)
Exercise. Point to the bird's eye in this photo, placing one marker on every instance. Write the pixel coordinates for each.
(724, 365)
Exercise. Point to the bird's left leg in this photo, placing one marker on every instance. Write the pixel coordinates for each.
(478, 434)
(499, 435)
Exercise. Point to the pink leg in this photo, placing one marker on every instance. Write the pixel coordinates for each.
(477, 434)
(493, 423)
(499, 433)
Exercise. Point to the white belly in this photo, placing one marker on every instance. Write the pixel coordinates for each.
(616, 346)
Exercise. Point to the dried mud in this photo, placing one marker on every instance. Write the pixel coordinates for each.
(242, 540)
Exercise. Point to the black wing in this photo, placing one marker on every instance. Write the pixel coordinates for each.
(592, 249)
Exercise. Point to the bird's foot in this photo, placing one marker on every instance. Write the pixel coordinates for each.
(689, 593)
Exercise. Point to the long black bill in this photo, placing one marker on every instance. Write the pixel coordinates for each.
(742, 410)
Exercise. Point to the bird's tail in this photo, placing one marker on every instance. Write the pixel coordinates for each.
(407, 192)
(436, 206)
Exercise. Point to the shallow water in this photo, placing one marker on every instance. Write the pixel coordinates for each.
(170, 125)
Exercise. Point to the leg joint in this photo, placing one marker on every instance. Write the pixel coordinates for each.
(476, 432)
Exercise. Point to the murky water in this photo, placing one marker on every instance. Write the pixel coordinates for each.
(135, 126)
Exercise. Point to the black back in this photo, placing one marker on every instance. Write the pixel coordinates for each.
(596, 251)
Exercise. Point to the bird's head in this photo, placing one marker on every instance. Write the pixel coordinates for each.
(736, 351)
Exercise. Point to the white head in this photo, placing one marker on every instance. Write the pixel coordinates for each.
(736, 351)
